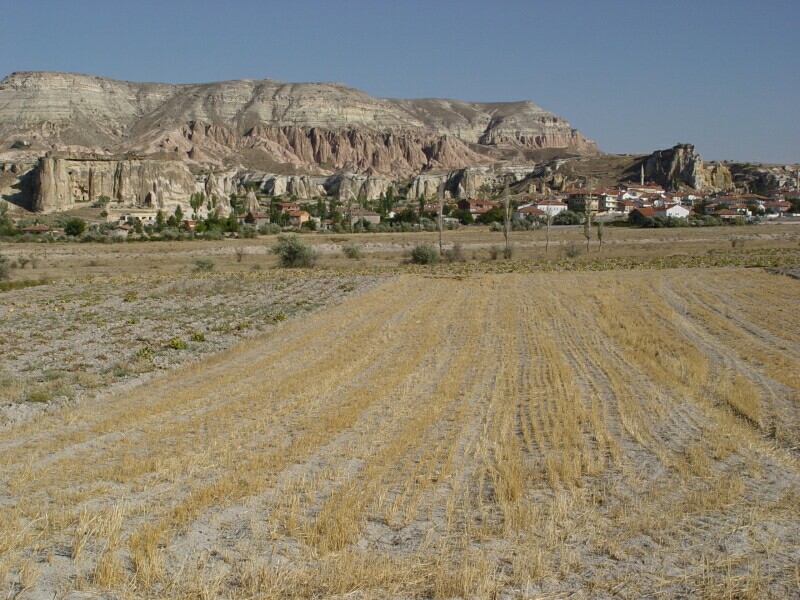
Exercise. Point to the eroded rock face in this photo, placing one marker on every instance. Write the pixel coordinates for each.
(301, 186)
(467, 183)
(366, 187)
(320, 127)
(682, 164)
(66, 181)
(251, 203)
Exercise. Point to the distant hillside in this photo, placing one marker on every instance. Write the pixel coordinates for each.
(278, 127)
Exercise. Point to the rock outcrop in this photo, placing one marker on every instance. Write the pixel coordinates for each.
(65, 181)
(467, 183)
(682, 165)
(301, 186)
(251, 203)
(362, 187)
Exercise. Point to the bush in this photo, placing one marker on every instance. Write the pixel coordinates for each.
(269, 229)
(567, 217)
(215, 233)
(248, 231)
(454, 254)
(177, 343)
(293, 253)
(4, 268)
(463, 215)
(351, 251)
(573, 250)
(423, 254)
(93, 236)
(495, 252)
(203, 265)
(170, 233)
(74, 226)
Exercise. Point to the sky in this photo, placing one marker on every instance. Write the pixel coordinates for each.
(634, 76)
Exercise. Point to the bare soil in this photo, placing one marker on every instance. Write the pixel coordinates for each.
(442, 434)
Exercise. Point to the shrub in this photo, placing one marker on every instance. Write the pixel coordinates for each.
(177, 343)
(293, 253)
(351, 251)
(203, 265)
(455, 254)
(495, 252)
(74, 226)
(248, 231)
(198, 336)
(269, 229)
(170, 233)
(5, 267)
(423, 254)
(573, 250)
(567, 217)
(215, 233)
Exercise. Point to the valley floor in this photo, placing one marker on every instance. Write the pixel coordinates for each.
(613, 434)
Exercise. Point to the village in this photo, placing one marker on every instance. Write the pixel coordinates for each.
(248, 213)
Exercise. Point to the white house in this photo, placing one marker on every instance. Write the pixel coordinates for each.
(552, 206)
(673, 210)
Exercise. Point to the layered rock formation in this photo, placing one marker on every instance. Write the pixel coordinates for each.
(682, 165)
(467, 183)
(266, 125)
(68, 180)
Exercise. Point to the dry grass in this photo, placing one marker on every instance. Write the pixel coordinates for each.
(520, 435)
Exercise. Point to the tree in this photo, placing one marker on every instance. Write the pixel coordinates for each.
(232, 223)
(506, 222)
(74, 226)
(440, 193)
(321, 212)
(587, 225)
(6, 225)
(549, 216)
(567, 217)
(196, 201)
(4, 268)
(159, 220)
(421, 208)
(491, 216)
(463, 215)
(388, 201)
(600, 233)
(178, 213)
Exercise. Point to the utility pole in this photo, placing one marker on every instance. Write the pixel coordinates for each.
(441, 210)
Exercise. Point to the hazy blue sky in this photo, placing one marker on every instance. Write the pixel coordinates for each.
(632, 75)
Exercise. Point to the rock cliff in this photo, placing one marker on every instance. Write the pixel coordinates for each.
(64, 181)
(682, 165)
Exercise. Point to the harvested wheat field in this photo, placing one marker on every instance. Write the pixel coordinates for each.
(611, 434)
